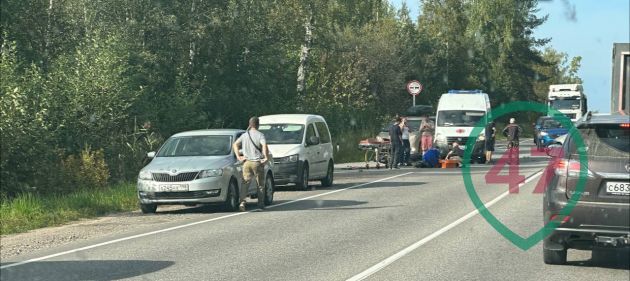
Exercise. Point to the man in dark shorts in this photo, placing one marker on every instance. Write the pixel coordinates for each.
(490, 132)
(512, 131)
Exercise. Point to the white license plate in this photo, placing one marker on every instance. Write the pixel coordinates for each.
(618, 188)
(173, 187)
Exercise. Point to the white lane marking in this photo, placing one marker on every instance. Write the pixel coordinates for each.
(377, 267)
(188, 225)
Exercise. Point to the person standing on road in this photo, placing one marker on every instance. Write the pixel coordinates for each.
(512, 131)
(254, 157)
(406, 150)
(395, 137)
(426, 134)
(490, 134)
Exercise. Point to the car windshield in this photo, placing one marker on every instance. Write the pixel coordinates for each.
(196, 146)
(551, 124)
(414, 124)
(565, 104)
(282, 133)
(460, 118)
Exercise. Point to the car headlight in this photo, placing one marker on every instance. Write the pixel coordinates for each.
(210, 173)
(145, 175)
(289, 159)
(543, 134)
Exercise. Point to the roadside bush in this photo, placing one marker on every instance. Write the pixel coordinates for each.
(86, 170)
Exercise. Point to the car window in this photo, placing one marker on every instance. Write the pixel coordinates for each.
(609, 140)
(459, 117)
(282, 133)
(324, 135)
(196, 146)
(310, 131)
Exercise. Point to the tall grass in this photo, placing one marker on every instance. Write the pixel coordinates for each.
(28, 211)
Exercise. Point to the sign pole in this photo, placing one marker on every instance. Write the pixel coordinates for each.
(414, 88)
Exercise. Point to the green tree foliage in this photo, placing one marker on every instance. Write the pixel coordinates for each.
(87, 80)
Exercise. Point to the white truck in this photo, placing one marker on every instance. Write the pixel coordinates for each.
(569, 99)
(457, 114)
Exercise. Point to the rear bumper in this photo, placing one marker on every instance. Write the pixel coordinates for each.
(589, 223)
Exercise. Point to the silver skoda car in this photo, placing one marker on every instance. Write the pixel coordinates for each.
(197, 167)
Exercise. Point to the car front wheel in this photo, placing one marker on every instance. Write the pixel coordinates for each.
(303, 184)
(328, 180)
(231, 199)
(269, 190)
(148, 208)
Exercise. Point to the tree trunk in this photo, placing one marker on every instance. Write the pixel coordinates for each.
(47, 35)
(305, 49)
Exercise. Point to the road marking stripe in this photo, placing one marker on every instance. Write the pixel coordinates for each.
(188, 225)
(377, 267)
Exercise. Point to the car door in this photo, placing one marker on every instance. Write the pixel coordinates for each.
(312, 152)
(325, 147)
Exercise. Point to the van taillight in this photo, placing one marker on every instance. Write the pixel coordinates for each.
(625, 125)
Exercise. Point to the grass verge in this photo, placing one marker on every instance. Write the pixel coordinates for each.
(29, 211)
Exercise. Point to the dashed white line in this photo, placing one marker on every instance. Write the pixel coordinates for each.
(377, 267)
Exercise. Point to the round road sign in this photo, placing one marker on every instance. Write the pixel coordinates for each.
(414, 87)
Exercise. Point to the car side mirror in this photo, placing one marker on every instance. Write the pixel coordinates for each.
(554, 150)
(313, 140)
(151, 154)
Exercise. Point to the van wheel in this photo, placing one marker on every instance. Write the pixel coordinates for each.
(269, 190)
(231, 199)
(303, 184)
(555, 257)
(148, 208)
(328, 180)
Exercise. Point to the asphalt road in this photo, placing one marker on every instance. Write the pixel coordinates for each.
(407, 224)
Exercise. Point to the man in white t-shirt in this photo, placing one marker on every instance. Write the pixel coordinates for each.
(254, 156)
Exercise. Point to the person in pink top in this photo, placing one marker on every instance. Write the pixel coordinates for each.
(426, 130)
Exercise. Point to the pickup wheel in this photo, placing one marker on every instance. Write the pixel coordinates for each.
(328, 180)
(148, 208)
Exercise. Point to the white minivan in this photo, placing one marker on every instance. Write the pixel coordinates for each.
(301, 146)
(457, 114)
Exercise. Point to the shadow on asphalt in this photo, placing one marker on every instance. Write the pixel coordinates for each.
(606, 258)
(82, 270)
(387, 184)
(329, 205)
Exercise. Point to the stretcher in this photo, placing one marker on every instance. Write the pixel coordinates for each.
(376, 150)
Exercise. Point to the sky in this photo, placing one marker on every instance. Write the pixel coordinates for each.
(586, 28)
